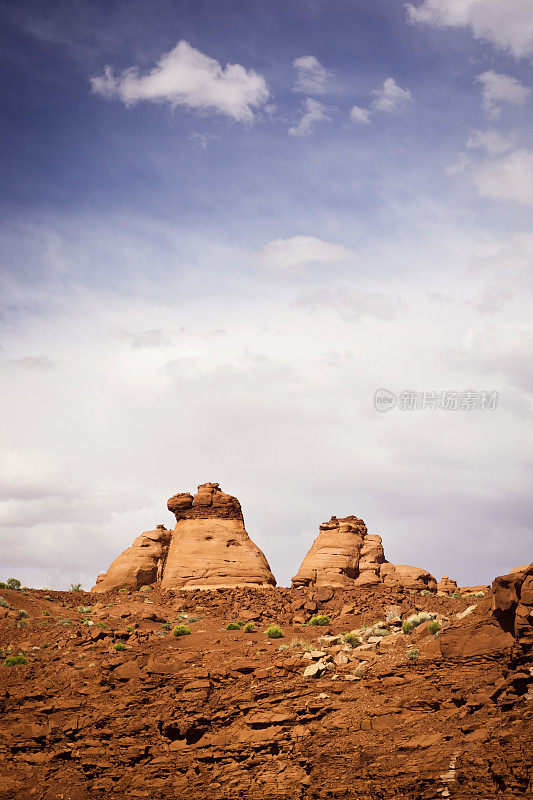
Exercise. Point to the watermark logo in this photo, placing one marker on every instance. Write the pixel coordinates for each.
(384, 400)
(448, 400)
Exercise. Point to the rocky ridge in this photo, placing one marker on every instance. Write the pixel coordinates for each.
(370, 692)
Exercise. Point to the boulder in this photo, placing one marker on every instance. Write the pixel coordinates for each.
(344, 555)
(447, 584)
(210, 548)
(138, 565)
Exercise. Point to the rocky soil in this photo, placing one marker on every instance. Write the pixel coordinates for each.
(399, 694)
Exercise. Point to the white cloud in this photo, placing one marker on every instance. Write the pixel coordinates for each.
(507, 178)
(360, 115)
(508, 24)
(391, 97)
(299, 251)
(315, 112)
(351, 304)
(42, 363)
(186, 77)
(499, 89)
(312, 77)
(492, 141)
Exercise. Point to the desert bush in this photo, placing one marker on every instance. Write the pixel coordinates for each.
(284, 647)
(425, 592)
(413, 654)
(63, 622)
(2, 585)
(22, 614)
(407, 627)
(455, 595)
(131, 628)
(119, 647)
(480, 594)
(233, 626)
(144, 589)
(46, 613)
(4, 603)
(415, 620)
(274, 632)
(380, 632)
(13, 661)
(195, 619)
(75, 587)
(84, 609)
(166, 626)
(249, 627)
(433, 627)
(352, 639)
(13, 583)
(392, 613)
(101, 625)
(320, 619)
(123, 591)
(181, 630)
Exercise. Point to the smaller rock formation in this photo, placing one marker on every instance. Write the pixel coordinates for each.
(345, 555)
(447, 585)
(138, 565)
(210, 547)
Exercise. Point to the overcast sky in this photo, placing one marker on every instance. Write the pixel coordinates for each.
(224, 225)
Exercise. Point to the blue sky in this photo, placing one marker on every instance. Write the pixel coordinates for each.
(208, 270)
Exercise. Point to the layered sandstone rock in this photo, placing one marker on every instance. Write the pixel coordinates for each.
(447, 585)
(345, 555)
(138, 565)
(210, 547)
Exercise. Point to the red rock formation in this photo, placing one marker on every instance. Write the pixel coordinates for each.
(210, 547)
(138, 565)
(447, 585)
(345, 555)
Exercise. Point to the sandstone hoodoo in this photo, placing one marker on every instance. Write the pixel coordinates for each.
(210, 547)
(345, 555)
(139, 565)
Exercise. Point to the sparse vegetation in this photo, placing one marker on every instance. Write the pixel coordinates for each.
(455, 595)
(13, 661)
(75, 587)
(284, 647)
(413, 654)
(84, 609)
(131, 628)
(433, 627)
(274, 632)
(249, 627)
(233, 626)
(46, 613)
(22, 613)
(63, 622)
(352, 639)
(13, 583)
(123, 591)
(166, 626)
(119, 647)
(181, 630)
(320, 619)
(101, 625)
(4, 603)
(425, 592)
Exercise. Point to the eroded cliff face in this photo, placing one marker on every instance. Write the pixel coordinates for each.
(345, 555)
(210, 547)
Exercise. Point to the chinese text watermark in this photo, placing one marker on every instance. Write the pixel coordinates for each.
(384, 400)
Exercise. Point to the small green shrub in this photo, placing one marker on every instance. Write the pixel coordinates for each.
(13, 583)
(455, 595)
(63, 622)
(119, 647)
(284, 647)
(181, 630)
(195, 619)
(144, 589)
(249, 627)
(22, 613)
(84, 609)
(2, 585)
(123, 591)
(433, 627)
(407, 627)
(4, 603)
(130, 628)
(233, 626)
(480, 594)
(413, 654)
(320, 619)
(101, 625)
(425, 592)
(75, 587)
(380, 632)
(352, 639)
(13, 661)
(46, 613)
(166, 626)
(274, 632)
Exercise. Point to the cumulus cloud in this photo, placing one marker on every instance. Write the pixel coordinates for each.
(509, 177)
(507, 24)
(314, 113)
(360, 115)
(351, 304)
(492, 141)
(298, 251)
(187, 77)
(311, 76)
(391, 97)
(499, 89)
